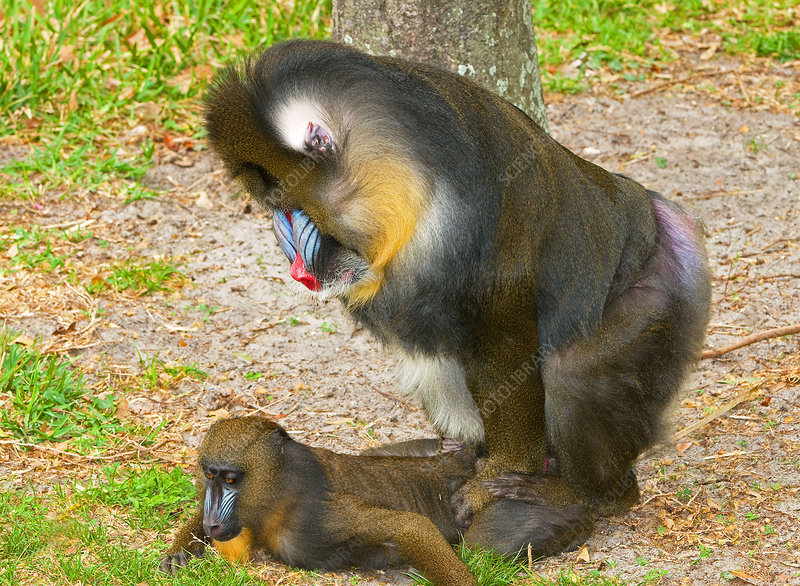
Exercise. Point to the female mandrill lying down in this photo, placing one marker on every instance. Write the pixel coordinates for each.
(313, 508)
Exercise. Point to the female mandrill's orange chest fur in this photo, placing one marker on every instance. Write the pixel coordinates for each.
(269, 537)
(237, 549)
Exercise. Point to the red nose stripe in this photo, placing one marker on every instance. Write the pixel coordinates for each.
(301, 275)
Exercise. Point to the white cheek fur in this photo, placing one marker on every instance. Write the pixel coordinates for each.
(292, 121)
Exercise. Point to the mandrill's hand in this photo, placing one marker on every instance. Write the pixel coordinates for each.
(536, 489)
(171, 564)
(185, 547)
(518, 487)
(472, 496)
(468, 499)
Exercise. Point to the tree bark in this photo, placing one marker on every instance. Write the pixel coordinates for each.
(490, 41)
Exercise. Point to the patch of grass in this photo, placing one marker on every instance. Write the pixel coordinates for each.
(43, 400)
(208, 310)
(136, 192)
(684, 494)
(70, 535)
(147, 277)
(764, 40)
(625, 36)
(77, 77)
(67, 163)
(156, 373)
(30, 248)
(556, 82)
(152, 498)
(24, 518)
(136, 275)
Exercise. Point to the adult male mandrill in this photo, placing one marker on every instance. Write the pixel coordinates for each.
(536, 303)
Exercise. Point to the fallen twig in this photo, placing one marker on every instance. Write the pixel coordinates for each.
(741, 397)
(752, 339)
(659, 86)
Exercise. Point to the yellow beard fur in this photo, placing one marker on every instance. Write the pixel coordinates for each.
(236, 549)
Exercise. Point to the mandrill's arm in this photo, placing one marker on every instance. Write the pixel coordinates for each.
(418, 541)
(189, 542)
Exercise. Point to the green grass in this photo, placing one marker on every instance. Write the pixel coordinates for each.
(491, 569)
(150, 498)
(34, 249)
(79, 76)
(156, 373)
(609, 29)
(43, 400)
(72, 534)
(30, 248)
(136, 275)
(625, 36)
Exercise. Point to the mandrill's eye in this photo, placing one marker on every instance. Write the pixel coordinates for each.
(260, 184)
(209, 476)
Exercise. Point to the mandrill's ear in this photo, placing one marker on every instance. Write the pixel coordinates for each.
(317, 140)
(304, 126)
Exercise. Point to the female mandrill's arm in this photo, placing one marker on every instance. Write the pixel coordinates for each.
(189, 542)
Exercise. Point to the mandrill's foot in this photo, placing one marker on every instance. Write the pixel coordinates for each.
(532, 489)
(514, 512)
(418, 448)
(516, 527)
(532, 513)
(422, 448)
(617, 497)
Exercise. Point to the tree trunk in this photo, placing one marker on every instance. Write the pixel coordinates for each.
(489, 41)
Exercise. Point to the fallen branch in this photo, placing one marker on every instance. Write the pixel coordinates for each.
(741, 397)
(752, 339)
(660, 86)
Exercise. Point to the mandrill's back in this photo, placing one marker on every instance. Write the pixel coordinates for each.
(414, 484)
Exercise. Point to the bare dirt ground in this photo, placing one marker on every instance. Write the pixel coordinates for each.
(719, 504)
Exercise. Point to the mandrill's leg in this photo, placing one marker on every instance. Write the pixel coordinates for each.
(511, 527)
(606, 394)
(504, 379)
(413, 537)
